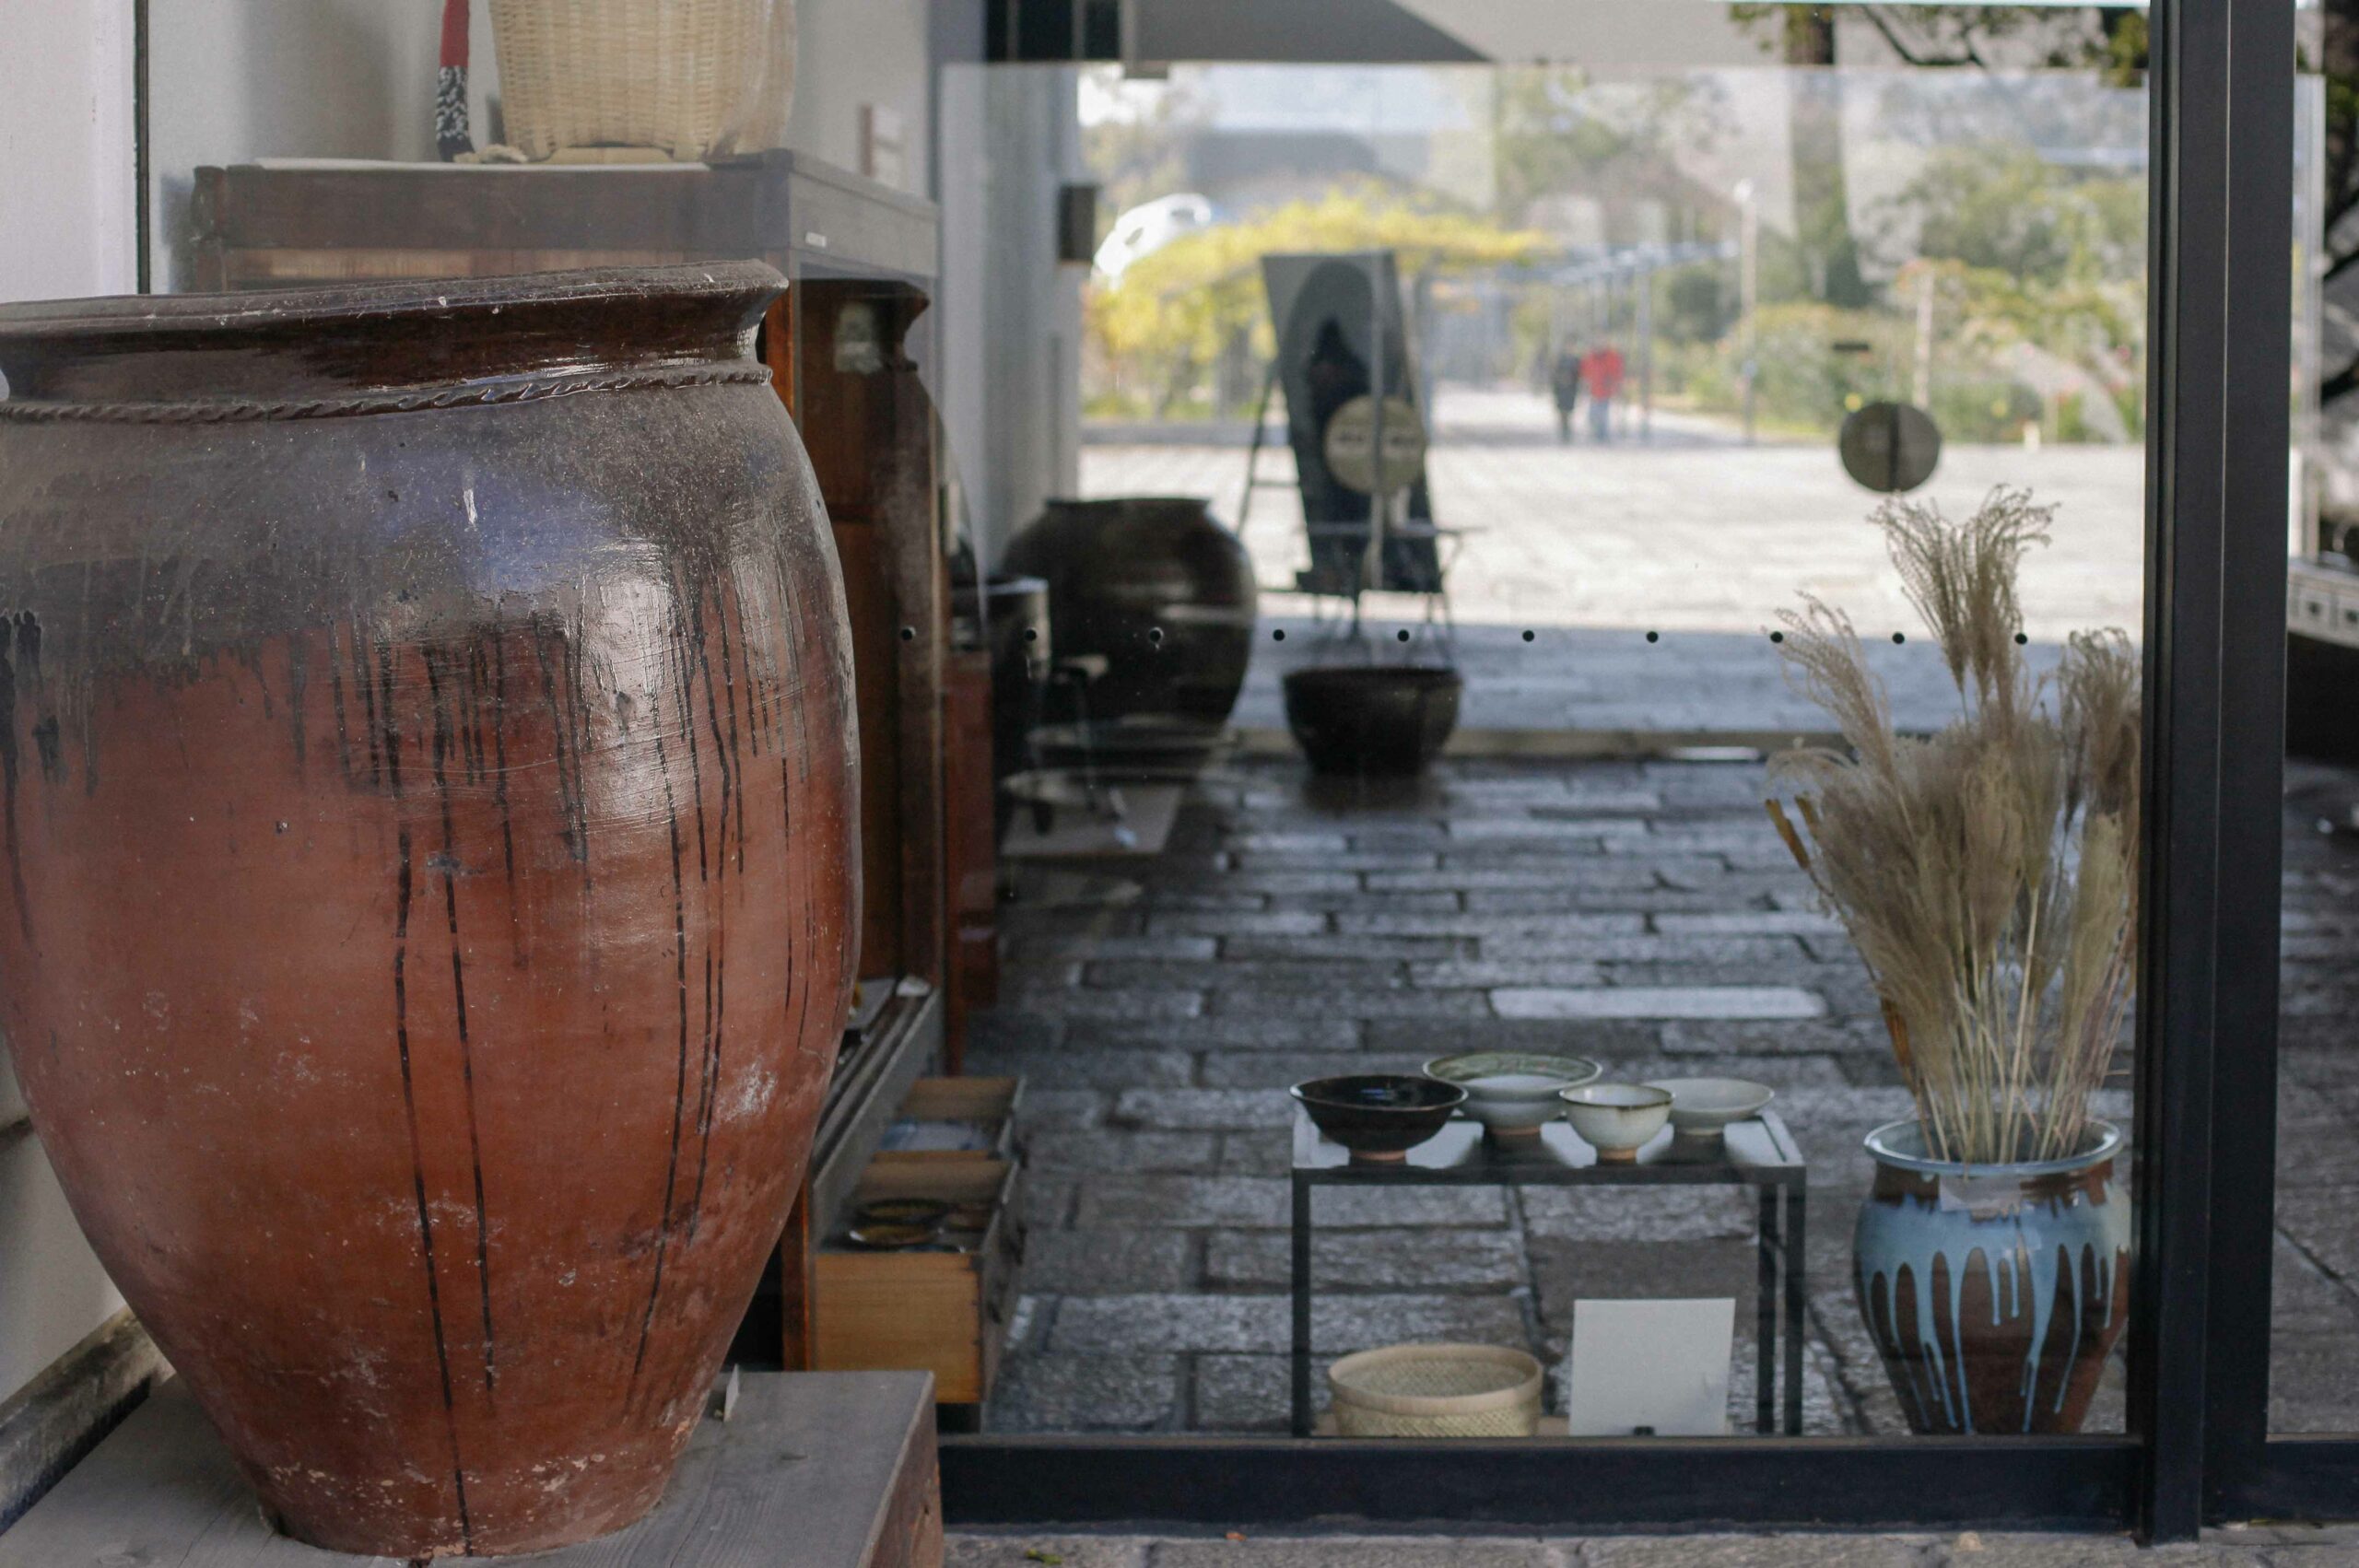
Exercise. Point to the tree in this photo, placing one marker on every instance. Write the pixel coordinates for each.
(1557, 131)
(1177, 310)
(1805, 35)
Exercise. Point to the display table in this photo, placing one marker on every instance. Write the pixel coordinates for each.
(816, 1469)
(1759, 1155)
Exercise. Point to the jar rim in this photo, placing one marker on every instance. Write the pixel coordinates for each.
(275, 353)
(1901, 1144)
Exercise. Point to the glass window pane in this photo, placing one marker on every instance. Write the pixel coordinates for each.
(1620, 319)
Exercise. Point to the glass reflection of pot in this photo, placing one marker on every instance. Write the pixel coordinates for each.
(1151, 582)
(1008, 616)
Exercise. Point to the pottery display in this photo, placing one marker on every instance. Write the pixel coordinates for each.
(1616, 1119)
(1702, 1108)
(1513, 1093)
(1155, 586)
(1384, 720)
(426, 723)
(1993, 1292)
(1379, 1117)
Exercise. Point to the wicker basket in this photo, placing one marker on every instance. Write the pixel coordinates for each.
(1436, 1391)
(691, 78)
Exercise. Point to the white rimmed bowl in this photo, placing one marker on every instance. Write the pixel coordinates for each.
(1702, 1108)
(1616, 1119)
(1513, 1093)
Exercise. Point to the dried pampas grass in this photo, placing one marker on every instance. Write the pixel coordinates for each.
(1986, 873)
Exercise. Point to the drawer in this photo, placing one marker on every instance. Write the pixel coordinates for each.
(943, 1310)
(976, 1112)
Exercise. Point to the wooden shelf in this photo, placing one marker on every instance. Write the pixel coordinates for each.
(839, 1464)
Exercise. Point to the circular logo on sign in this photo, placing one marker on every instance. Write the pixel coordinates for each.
(1890, 447)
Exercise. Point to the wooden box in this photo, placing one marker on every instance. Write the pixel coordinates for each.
(927, 1311)
(988, 1102)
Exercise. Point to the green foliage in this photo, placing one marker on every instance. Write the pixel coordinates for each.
(1554, 132)
(2005, 208)
(1162, 329)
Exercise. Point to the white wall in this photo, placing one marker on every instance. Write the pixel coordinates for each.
(234, 80)
(854, 52)
(67, 227)
(1009, 388)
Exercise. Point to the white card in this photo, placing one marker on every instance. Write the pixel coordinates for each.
(1660, 1364)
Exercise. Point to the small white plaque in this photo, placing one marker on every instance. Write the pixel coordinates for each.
(1659, 1365)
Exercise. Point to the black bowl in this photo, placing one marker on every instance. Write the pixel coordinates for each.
(1379, 1115)
(1373, 719)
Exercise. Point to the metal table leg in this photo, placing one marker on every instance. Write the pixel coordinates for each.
(1301, 1358)
(1796, 1259)
(1766, 1254)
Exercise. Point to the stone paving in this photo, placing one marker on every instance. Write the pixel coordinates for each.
(1695, 538)
(1641, 913)
(2280, 1546)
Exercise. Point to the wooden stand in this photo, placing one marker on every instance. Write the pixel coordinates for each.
(824, 1470)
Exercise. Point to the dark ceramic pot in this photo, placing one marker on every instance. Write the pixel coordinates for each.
(424, 721)
(1993, 1292)
(1159, 589)
(1008, 618)
(1379, 1117)
(1390, 719)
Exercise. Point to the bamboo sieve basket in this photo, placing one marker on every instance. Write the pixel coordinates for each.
(691, 78)
(1436, 1391)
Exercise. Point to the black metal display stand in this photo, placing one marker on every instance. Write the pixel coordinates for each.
(1759, 1155)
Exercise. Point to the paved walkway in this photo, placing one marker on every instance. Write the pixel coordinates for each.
(2280, 1546)
(1697, 538)
(1640, 913)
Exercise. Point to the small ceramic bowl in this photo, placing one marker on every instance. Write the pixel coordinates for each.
(1701, 1108)
(1616, 1119)
(1513, 1093)
(1379, 1117)
(927, 1212)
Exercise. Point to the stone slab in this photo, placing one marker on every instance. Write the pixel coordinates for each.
(840, 1462)
(1109, 1261)
(1048, 1392)
(1635, 1001)
(1195, 1108)
(1414, 1259)
(1262, 1324)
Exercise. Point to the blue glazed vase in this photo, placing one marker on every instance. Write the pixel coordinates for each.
(1994, 1292)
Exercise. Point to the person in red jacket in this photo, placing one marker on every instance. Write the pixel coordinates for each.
(1601, 379)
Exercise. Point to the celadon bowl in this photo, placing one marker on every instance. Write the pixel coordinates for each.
(1701, 1108)
(1616, 1119)
(1513, 1093)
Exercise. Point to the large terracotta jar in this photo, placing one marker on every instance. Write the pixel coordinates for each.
(425, 733)
(1994, 1292)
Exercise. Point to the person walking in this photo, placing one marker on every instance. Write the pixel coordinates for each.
(1565, 385)
(1601, 374)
